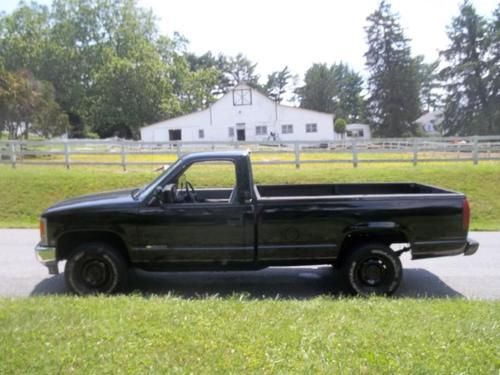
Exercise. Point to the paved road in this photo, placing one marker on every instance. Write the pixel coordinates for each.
(477, 276)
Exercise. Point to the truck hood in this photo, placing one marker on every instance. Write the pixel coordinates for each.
(101, 200)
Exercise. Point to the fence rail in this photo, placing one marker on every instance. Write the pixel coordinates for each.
(354, 151)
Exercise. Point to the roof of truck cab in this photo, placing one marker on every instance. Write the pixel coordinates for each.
(230, 154)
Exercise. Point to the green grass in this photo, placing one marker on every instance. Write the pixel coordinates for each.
(28, 190)
(240, 336)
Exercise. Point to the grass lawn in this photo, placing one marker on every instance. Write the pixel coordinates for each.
(28, 190)
(235, 335)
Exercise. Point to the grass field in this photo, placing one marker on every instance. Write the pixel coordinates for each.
(235, 335)
(28, 190)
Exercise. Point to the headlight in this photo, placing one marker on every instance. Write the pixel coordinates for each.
(43, 231)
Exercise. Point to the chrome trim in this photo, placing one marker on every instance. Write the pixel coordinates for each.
(46, 255)
(471, 247)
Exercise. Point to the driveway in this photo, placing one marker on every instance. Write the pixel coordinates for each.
(476, 276)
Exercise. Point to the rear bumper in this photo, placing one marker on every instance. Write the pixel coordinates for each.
(46, 255)
(433, 249)
(471, 247)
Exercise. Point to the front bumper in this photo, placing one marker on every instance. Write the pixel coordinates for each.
(471, 247)
(47, 256)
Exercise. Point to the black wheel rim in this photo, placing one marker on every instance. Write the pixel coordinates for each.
(95, 273)
(373, 271)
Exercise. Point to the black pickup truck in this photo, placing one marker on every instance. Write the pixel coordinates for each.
(172, 224)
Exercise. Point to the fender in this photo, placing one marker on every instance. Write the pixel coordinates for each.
(378, 228)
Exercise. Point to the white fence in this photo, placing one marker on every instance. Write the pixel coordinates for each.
(353, 151)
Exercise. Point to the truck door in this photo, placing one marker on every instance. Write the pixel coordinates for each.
(214, 228)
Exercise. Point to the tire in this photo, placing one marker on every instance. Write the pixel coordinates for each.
(372, 269)
(96, 268)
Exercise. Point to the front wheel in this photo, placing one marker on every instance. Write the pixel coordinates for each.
(373, 269)
(96, 268)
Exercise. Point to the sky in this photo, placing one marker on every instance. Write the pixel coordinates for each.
(278, 33)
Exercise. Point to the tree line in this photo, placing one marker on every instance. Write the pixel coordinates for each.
(101, 68)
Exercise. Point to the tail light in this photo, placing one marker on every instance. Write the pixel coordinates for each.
(466, 214)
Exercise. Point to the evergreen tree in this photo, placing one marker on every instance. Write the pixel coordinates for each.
(471, 75)
(394, 102)
(429, 84)
(494, 65)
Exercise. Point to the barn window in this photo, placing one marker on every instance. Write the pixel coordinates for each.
(261, 130)
(311, 128)
(242, 97)
(287, 129)
(201, 133)
(174, 134)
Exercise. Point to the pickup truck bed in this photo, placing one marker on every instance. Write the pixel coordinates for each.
(333, 190)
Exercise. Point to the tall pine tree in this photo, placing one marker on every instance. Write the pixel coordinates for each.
(393, 84)
(471, 77)
(494, 63)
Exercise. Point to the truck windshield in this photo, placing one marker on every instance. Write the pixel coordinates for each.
(146, 189)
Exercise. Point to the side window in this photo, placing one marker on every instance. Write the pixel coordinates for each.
(211, 174)
(208, 182)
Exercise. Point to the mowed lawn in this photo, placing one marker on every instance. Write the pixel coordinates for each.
(28, 190)
(325, 335)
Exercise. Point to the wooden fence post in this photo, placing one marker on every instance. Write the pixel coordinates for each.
(296, 149)
(124, 158)
(66, 155)
(354, 153)
(13, 154)
(415, 152)
(475, 151)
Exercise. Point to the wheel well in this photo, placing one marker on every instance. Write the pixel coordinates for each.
(69, 241)
(355, 239)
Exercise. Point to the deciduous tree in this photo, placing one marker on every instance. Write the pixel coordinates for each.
(277, 84)
(333, 89)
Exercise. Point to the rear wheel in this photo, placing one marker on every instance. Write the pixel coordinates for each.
(96, 268)
(372, 269)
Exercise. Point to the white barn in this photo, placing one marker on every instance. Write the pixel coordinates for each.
(429, 122)
(244, 114)
(361, 131)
